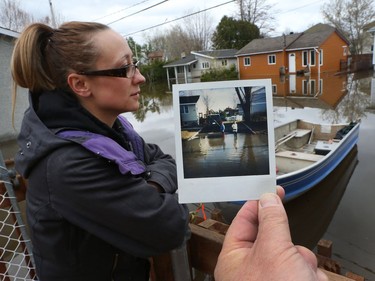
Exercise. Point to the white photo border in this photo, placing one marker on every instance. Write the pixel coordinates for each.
(223, 189)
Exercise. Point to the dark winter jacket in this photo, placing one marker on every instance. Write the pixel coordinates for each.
(88, 221)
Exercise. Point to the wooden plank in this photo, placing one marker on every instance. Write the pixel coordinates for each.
(204, 247)
(161, 268)
(299, 155)
(215, 226)
(301, 132)
(217, 215)
(335, 277)
(324, 248)
(328, 264)
(355, 276)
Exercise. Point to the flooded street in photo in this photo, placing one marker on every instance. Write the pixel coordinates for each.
(225, 155)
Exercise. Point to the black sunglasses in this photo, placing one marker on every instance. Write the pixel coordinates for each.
(126, 71)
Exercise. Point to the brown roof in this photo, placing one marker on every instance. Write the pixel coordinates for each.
(266, 45)
(312, 37)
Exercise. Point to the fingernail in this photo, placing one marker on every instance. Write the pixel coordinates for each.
(269, 199)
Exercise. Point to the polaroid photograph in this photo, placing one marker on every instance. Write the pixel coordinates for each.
(225, 149)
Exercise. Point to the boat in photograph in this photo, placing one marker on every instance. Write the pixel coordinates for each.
(306, 153)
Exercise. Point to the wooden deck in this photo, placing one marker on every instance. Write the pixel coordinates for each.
(207, 239)
(202, 248)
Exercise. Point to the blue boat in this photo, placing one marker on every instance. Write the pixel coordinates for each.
(306, 153)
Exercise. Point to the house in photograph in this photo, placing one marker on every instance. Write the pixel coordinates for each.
(321, 48)
(370, 46)
(189, 111)
(8, 133)
(190, 68)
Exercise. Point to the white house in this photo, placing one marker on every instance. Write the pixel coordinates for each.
(190, 68)
(372, 31)
(188, 111)
(7, 132)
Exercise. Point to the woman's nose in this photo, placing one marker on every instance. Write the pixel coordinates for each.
(138, 78)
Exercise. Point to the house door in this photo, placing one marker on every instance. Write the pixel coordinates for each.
(292, 63)
(292, 84)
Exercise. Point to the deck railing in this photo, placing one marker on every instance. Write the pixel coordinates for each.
(195, 261)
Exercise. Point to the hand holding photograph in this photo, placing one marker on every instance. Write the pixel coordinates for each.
(225, 148)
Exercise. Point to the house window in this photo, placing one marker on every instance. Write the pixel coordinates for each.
(305, 87)
(246, 61)
(320, 87)
(305, 58)
(312, 57)
(205, 65)
(274, 89)
(321, 57)
(345, 48)
(272, 59)
(309, 87)
(313, 87)
(184, 109)
(224, 62)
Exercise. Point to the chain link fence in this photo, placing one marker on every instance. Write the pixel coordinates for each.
(16, 260)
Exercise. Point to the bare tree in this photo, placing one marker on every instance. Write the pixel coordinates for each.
(199, 29)
(193, 34)
(15, 18)
(259, 13)
(351, 18)
(207, 103)
(12, 16)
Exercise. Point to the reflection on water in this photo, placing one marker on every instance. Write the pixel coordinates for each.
(229, 155)
(327, 99)
(336, 98)
(310, 215)
(313, 211)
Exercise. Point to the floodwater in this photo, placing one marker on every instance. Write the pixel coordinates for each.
(342, 207)
(226, 155)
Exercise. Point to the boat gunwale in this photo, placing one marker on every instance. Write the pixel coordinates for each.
(327, 156)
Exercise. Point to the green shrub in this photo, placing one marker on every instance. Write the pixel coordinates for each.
(217, 74)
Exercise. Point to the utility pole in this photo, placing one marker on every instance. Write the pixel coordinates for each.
(52, 14)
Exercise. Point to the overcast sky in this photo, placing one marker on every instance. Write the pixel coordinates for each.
(131, 17)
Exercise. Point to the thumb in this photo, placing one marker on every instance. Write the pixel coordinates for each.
(273, 220)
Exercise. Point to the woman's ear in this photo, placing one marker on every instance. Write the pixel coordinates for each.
(78, 83)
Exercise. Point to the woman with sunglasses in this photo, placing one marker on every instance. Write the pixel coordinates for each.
(100, 201)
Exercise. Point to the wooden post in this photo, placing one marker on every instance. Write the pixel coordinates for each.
(204, 247)
(217, 215)
(324, 248)
(161, 268)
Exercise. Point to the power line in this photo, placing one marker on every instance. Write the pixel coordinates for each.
(300, 7)
(160, 24)
(145, 9)
(119, 11)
